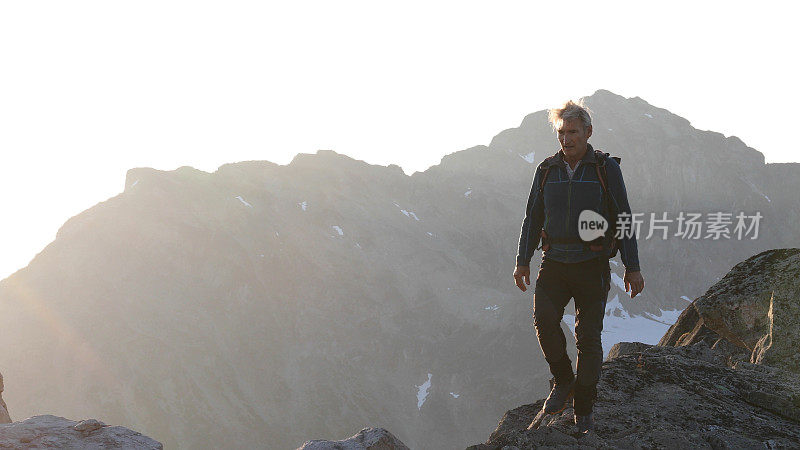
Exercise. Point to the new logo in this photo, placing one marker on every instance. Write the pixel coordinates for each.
(591, 225)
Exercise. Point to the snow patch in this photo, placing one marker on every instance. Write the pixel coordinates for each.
(648, 115)
(422, 392)
(430, 234)
(615, 308)
(303, 205)
(528, 157)
(613, 262)
(648, 328)
(243, 201)
(338, 229)
(406, 212)
(469, 191)
(666, 317)
(358, 245)
(134, 183)
(618, 281)
(757, 190)
(491, 308)
(686, 298)
(409, 214)
(455, 395)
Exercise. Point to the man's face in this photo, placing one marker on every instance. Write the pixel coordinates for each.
(573, 137)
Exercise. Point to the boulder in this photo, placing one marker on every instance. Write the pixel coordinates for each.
(626, 348)
(366, 439)
(751, 314)
(57, 432)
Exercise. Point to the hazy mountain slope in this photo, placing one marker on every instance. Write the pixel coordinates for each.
(277, 304)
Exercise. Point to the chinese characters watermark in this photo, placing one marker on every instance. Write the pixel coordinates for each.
(690, 225)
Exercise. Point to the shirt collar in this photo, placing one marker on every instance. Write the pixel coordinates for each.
(589, 157)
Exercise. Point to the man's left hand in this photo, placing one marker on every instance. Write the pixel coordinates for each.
(634, 283)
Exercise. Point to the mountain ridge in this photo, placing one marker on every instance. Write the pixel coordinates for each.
(246, 297)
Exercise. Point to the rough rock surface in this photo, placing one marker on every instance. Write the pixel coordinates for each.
(725, 375)
(58, 432)
(366, 439)
(780, 346)
(755, 307)
(671, 397)
(4, 417)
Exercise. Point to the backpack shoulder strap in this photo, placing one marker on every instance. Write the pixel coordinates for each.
(602, 175)
(548, 162)
(602, 160)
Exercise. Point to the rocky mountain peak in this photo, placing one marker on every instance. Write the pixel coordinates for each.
(333, 281)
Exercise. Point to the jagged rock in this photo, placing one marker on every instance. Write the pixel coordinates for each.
(57, 432)
(366, 439)
(779, 347)
(697, 388)
(4, 416)
(626, 348)
(671, 397)
(87, 426)
(755, 307)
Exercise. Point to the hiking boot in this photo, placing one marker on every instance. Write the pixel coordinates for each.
(584, 424)
(560, 393)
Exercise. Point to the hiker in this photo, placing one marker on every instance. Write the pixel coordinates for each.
(575, 179)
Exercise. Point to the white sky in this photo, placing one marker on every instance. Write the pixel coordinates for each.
(89, 89)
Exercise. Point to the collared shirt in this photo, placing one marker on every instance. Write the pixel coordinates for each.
(588, 157)
(571, 171)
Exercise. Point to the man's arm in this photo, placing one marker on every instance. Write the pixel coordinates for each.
(628, 248)
(533, 222)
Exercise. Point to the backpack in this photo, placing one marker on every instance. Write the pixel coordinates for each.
(602, 175)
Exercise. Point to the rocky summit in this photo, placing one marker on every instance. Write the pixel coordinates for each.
(723, 376)
(670, 397)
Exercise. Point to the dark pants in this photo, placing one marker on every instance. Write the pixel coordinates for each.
(588, 282)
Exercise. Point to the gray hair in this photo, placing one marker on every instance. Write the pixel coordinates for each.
(570, 110)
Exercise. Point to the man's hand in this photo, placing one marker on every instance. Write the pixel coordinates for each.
(634, 283)
(520, 273)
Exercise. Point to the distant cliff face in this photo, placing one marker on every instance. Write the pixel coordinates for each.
(696, 389)
(302, 300)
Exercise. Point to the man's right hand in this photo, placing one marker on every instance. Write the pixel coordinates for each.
(522, 273)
